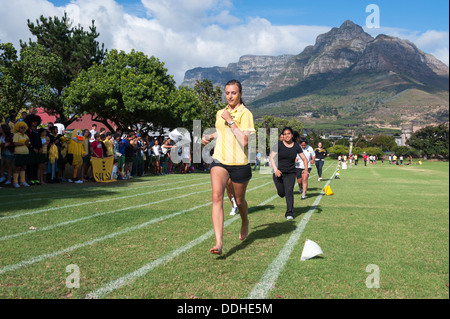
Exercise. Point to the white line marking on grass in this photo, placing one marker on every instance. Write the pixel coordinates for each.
(96, 240)
(69, 222)
(98, 201)
(96, 215)
(91, 192)
(267, 281)
(91, 242)
(129, 278)
(51, 190)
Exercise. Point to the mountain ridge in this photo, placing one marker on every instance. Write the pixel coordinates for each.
(347, 74)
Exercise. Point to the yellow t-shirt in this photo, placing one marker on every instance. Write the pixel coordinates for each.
(85, 146)
(228, 150)
(109, 147)
(20, 138)
(12, 126)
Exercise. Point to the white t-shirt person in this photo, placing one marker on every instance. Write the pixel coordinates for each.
(61, 128)
(156, 150)
(309, 153)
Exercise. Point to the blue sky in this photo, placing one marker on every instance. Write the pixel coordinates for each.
(413, 15)
(191, 33)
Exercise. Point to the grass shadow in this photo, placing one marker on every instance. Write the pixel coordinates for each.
(298, 211)
(39, 197)
(262, 232)
(271, 230)
(255, 209)
(48, 196)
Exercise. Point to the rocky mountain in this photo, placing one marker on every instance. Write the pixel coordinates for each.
(254, 72)
(347, 78)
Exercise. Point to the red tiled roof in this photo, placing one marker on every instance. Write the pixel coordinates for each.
(44, 116)
(82, 123)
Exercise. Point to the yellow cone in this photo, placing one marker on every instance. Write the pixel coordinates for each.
(327, 190)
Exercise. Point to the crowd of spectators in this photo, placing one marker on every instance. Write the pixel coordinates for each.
(34, 155)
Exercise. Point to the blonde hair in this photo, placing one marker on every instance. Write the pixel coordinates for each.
(18, 125)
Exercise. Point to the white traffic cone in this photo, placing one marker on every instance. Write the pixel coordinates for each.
(310, 250)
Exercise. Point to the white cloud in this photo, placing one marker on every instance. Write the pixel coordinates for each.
(185, 33)
(189, 15)
(436, 43)
(14, 15)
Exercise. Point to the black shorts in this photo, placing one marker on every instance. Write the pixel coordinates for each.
(299, 172)
(42, 158)
(21, 160)
(129, 159)
(238, 173)
(69, 159)
(87, 160)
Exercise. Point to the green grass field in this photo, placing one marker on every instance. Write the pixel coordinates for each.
(150, 238)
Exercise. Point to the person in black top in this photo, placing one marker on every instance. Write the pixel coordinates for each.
(130, 153)
(33, 121)
(282, 158)
(321, 153)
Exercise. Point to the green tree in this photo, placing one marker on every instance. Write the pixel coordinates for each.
(374, 151)
(337, 150)
(431, 141)
(28, 79)
(210, 102)
(360, 141)
(383, 141)
(279, 123)
(184, 108)
(271, 122)
(358, 151)
(13, 95)
(131, 88)
(343, 142)
(77, 50)
(401, 150)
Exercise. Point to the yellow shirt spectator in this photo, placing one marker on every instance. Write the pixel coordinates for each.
(109, 148)
(85, 146)
(21, 138)
(12, 126)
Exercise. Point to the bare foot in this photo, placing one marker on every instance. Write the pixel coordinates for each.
(244, 230)
(215, 250)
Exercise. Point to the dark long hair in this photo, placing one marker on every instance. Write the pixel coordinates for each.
(289, 129)
(297, 137)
